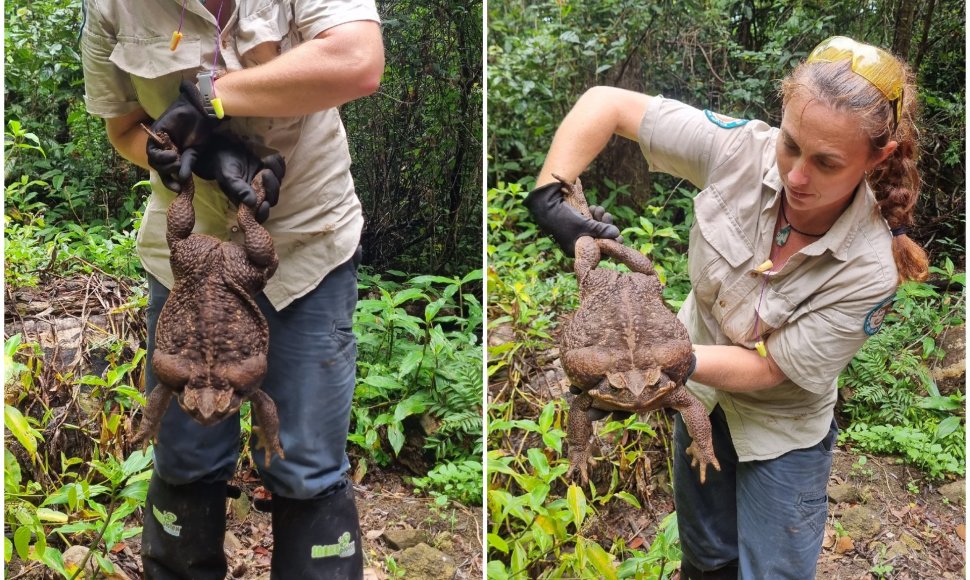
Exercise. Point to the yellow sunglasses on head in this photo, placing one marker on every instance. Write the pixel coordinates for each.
(871, 63)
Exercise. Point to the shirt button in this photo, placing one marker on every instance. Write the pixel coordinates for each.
(722, 303)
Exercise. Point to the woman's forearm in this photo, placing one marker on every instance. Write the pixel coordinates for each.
(735, 368)
(598, 115)
(340, 65)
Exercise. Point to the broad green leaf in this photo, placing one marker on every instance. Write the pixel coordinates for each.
(947, 426)
(11, 472)
(407, 295)
(547, 416)
(136, 462)
(410, 362)
(628, 498)
(538, 460)
(14, 420)
(413, 405)
(576, 499)
(496, 541)
(49, 515)
(496, 570)
(21, 541)
(396, 437)
(939, 403)
(601, 560)
(7, 549)
(383, 382)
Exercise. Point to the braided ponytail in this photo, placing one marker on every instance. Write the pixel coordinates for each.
(896, 181)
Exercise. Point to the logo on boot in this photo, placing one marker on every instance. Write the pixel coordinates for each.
(167, 519)
(344, 548)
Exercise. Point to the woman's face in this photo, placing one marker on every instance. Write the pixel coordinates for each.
(822, 154)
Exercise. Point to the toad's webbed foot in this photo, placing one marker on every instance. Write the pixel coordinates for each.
(702, 456)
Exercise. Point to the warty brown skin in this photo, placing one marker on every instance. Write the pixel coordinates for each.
(211, 340)
(624, 348)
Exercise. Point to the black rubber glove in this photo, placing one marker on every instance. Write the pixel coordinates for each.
(563, 223)
(595, 414)
(187, 125)
(233, 166)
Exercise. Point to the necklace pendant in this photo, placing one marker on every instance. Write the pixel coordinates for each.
(782, 236)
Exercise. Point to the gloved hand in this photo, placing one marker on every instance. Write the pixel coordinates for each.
(595, 414)
(233, 166)
(187, 125)
(563, 223)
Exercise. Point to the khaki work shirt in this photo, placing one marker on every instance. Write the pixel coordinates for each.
(128, 64)
(815, 312)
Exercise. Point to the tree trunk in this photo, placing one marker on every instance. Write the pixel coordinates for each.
(924, 36)
(904, 28)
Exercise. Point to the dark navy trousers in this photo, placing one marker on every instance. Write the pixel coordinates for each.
(310, 377)
(768, 517)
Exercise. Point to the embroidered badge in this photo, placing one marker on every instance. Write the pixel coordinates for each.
(874, 319)
(723, 121)
(344, 548)
(167, 519)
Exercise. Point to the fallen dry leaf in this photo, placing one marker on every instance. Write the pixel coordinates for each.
(844, 544)
(962, 531)
(828, 539)
(374, 534)
(636, 543)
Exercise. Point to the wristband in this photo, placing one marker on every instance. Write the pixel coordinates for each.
(210, 102)
(692, 367)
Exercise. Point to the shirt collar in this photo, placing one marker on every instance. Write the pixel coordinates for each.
(842, 233)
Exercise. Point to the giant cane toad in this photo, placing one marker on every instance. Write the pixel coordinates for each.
(623, 348)
(211, 340)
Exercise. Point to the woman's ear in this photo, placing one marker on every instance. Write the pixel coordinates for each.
(882, 155)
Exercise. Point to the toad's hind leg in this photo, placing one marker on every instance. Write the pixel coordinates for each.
(259, 243)
(694, 414)
(633, 259)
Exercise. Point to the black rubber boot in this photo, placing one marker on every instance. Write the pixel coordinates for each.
(317, 538)
(690, 572)
(185, 526)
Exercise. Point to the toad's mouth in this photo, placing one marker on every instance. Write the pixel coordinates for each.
(207, 405)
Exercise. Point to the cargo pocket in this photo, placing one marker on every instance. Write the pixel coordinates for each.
(813, 505)
(154, 69)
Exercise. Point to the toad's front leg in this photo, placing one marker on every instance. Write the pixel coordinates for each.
(268, 431)
(579, 429)
(155, 408)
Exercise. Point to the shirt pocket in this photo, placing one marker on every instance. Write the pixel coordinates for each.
(154, 69)
(719, 246)
(264, 32)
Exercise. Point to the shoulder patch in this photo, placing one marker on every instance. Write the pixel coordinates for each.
(874, 319)
(723, 121)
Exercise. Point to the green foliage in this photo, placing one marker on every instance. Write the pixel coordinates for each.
(64, 500)
(453, 481)
(419, 358)
(417, 143)
(891, 400)
(537, 531)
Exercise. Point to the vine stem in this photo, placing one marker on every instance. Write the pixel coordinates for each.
(104, 529)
